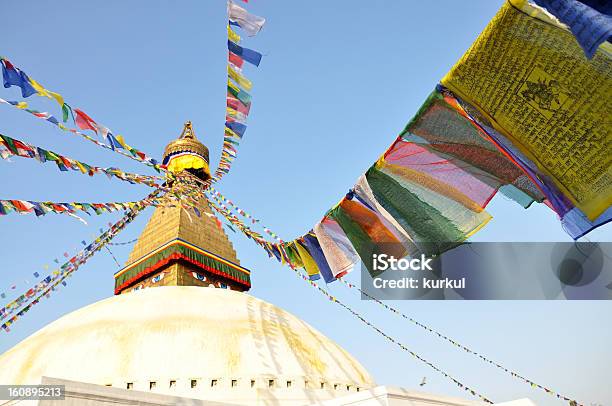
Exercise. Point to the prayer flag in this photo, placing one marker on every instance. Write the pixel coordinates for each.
(84, 122)
(252, 57)
(546, 98)
(251, 23)
(237, 128)
(235, 59)
(237, 77)
(14, 77)
(590, 27)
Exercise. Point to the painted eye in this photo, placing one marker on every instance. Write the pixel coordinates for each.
(157, 278)
(198, 276)
(223, 285)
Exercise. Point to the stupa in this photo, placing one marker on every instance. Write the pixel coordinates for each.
(181, 329)
(181, 322)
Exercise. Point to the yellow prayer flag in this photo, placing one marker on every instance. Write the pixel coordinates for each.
(58, 97)
(231, 133)
(232, 35)
(80, 166)
(527, 75)
(239, 79)
(309, 264)
(121, 141)
(233, 86)
(39, 88)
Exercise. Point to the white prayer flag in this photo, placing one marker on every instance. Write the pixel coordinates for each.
(248, 22)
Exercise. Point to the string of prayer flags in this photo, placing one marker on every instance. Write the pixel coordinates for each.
(124, 243)
(222, 199)
(457, 344)
(546, 98)
(236, 222)
(590, 26)
(450, 153)
(14, 147)
(51, 281)
(85, 122)
(238, 100)
(368, 323)
(42, 208)
(13, 76)
(118, 140)
(13, 286)
(573, 220)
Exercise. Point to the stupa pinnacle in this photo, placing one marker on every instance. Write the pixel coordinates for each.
(187, 153)
(178, 248)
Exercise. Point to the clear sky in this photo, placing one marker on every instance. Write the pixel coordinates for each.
(337, 83)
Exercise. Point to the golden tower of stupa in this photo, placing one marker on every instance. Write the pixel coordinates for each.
(177, 248)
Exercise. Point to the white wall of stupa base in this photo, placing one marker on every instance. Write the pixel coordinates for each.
(86, 394)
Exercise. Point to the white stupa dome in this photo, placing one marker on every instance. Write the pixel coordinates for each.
(212, 344)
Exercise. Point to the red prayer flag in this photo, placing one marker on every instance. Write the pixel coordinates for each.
(84, 122)
(236, 60)
(238, 105)
(20, 206)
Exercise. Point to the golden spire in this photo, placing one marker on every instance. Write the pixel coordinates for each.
(180, 247)
(187, 153)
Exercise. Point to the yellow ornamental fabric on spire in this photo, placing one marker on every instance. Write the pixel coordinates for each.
(529, 77)
(187, 161)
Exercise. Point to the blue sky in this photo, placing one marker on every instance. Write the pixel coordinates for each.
(338, 81)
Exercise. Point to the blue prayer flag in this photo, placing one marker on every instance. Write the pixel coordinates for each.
(252, 57)
(590, 27)
(14, 77)
(238, 128)
(311, 243)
